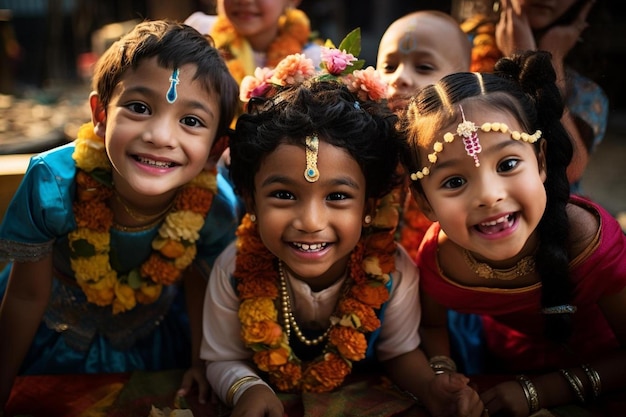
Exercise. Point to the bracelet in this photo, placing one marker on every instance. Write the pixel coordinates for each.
(594, 379)
(575, 383)
(236, 386)
(530, 392)
(441, 364)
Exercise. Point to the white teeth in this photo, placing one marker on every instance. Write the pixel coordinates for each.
(310, 247)
(493, 223)
(152, 162)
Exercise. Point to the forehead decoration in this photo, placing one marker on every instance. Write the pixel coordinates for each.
(311, 173)
(408, 42)
(469, 132)
(172, 94)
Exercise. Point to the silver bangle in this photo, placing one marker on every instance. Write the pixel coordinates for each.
(575, 383)
(530, 392)
(440, 364)
(594, 379)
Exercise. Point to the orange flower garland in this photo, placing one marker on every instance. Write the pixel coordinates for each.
(258, 282)
(294, 30)
(174, 246)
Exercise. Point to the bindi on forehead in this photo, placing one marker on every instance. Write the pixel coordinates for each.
(172, 94)
(408, 41)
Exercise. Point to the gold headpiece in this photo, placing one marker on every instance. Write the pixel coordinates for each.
(311, 173)
(468, 131)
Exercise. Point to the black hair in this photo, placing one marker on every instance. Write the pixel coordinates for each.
(523, 85)
(365, 129)
(174, 44)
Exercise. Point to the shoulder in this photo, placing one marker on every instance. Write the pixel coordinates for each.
(584, 221)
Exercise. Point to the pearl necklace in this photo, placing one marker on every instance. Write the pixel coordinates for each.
(288, 318)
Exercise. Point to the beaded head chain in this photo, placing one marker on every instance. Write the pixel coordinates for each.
(469, 133)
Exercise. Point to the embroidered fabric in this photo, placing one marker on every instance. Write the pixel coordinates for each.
(24, 252)
(69, 313)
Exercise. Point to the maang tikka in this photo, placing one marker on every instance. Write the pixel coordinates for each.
(311, 173)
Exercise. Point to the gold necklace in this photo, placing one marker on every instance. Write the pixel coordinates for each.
(143, 217)
(288, 317)
(525, 266)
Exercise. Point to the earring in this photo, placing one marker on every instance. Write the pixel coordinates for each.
(253, 218)
(367, 219)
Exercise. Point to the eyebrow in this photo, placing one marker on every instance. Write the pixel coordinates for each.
(339, 181)
(195, 104)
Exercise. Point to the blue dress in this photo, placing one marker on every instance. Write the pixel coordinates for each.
(76, 336)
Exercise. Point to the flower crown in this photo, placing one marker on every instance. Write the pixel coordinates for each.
(468, 131)
(337, 63)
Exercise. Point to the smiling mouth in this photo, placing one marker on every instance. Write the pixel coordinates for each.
(497, 225)
(152, 162)
(310, 247)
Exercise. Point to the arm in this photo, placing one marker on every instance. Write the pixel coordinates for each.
(434, 328)
(21, 311)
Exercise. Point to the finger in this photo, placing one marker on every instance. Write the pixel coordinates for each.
(203, 391)
(185, 385)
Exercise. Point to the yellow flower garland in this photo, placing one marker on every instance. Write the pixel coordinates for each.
(369, 267)
(174, 247)
(294, 30)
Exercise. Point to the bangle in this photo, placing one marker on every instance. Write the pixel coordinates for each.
(236, 386)
(594, 379)
(530, 392)
(575, 383)
(441, 364)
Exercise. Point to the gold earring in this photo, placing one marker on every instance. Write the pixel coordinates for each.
(367, 219)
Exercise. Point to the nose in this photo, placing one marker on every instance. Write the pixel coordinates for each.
(161, 132)
(401, 78)
(312, 217)
(489, 190)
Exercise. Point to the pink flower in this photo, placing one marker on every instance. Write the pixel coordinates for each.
(293, 69)
(255, 85)
(367, 84)
(335, 60)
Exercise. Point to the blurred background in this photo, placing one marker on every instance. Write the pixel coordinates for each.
(47, 48)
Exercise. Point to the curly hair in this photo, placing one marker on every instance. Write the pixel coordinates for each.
(365, 129)
(523, 85)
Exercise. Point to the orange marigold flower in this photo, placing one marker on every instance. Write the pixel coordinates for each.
(287, 377)
(367, 316)
(172, 249)
(124, 298)
(350, 343)
(265, 331)
(93, 215)
(380, 243)
(293, 69)
(101, 297)
(257, 309)
(160, 271)
(270, 359)
(373, 295)
(148, 292)
(259, 287)
(196, 199)
(326, 375)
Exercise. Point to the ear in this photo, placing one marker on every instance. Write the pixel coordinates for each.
(98, 114)
(541, 160)
(219, 146)
(423, 204)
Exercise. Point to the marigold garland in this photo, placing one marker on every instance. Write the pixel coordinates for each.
(257, 277)
(294, 30)
(174, 247)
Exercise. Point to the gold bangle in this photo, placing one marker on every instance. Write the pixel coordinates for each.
(530, 392)
(440, 364)
(594, 379)
(236, 386)
(575, 383)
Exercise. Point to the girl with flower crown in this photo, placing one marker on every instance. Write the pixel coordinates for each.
(545, 270)
(315, 285)
(104, 230)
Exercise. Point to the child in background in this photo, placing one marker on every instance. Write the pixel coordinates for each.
(558, 27)
(301, 293)
(545, 270)
(417, 50)
(103, 230)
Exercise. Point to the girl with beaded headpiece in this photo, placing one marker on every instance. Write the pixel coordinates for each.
(544, 269)
(106, 231)
(315, 285)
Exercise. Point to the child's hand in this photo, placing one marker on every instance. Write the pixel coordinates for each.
(258, 401)
(195, 373)
(506, 398)
(451, 396)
